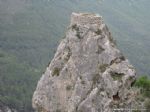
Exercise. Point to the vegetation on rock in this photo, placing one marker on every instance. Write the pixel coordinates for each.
(144, 84)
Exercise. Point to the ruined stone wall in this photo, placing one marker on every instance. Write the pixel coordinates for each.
(82, 19)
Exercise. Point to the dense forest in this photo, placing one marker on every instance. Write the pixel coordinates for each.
(30, 31)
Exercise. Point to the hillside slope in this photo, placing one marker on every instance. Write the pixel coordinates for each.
(31, 29)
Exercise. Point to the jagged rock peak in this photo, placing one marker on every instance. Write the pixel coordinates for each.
(88, 73)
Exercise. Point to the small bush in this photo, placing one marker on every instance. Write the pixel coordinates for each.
(75, 27)
(103, 67)
(56, 72)
(98, 32)
(144, 83)
(117, 76)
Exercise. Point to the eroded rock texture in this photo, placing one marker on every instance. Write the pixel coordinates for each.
(88, 73)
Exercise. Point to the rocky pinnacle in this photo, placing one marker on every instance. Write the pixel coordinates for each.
(88, 73)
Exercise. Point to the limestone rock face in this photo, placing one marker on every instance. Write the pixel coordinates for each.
(88, 73)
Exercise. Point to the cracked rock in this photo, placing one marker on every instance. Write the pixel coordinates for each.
(87, 74)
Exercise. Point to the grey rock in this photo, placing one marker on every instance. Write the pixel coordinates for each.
(88, 73)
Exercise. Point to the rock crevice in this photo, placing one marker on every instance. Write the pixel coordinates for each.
(88, 73)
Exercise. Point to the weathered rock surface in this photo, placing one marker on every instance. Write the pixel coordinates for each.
(88, 72)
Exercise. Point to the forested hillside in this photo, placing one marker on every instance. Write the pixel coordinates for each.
(30, 31)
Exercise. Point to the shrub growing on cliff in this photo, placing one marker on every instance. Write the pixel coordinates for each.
(56, 72)
(144, 83)
(98, 32)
